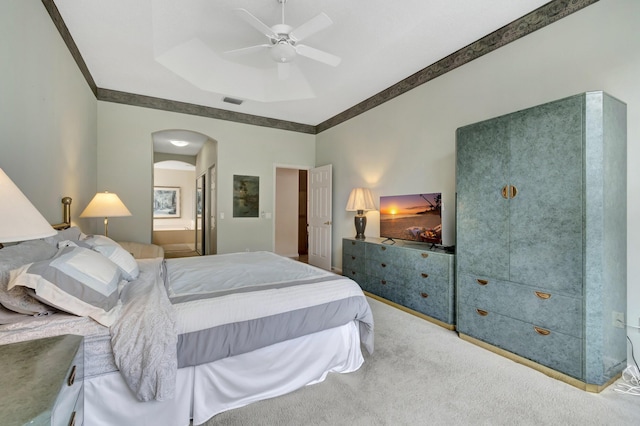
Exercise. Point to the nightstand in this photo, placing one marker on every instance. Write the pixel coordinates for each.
(41, 382)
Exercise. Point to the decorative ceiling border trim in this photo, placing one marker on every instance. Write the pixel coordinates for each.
(203, 111)
(54, 13)
(539, 18)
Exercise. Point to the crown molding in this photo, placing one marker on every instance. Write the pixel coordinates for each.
(539, 18)
(200, 110)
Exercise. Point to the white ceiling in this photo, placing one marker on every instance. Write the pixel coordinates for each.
(174, 49)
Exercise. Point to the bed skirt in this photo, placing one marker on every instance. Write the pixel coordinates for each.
(206, 390)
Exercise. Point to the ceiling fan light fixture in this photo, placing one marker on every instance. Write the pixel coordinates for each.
(283, 52)
(179, 144)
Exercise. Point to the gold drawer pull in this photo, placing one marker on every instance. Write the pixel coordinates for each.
(383, 282)
(513, 191)
(541, 331)
(383, 248)
(425, 255)
(384, 265)
(424, 295)
(505, 193)
(482, 282)
(482, 313)
(542, 295)
(424, 275)
(72, 421)
(72, 376)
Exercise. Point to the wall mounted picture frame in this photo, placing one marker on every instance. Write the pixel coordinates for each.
(166, 202)
(246, 196)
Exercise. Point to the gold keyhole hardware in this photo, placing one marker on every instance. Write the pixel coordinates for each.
(482, 312)
(482, 282)
(542, 295)
(383, 248)
(541, 331)
(424, 295)
(423, 275)
(383, 282)
(383, 265)
(425, 255)
(509, 191)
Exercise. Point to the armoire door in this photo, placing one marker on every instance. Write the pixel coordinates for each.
(546, 205)
(482, 213)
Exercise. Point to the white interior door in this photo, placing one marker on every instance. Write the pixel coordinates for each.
(320, 220)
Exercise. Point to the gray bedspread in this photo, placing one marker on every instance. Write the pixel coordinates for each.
(144, 338)
(216, 314)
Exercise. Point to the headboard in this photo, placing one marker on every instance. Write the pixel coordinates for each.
(66, 215)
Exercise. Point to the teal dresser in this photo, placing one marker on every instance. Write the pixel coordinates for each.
(408, 274)
(541, 236)
(42, 382)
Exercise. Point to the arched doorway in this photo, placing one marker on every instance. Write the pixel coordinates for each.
(184, 183)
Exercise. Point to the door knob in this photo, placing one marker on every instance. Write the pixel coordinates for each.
(328, 223)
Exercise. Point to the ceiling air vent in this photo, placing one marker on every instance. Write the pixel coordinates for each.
(232, 100)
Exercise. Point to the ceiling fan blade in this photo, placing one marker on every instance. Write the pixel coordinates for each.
(246, 16)
(284, 70)
(318, 55)
(246, 50)
(311, 27)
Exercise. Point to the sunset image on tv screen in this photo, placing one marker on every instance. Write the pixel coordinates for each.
(415, 217)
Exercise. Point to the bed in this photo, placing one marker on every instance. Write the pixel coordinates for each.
(184, 339)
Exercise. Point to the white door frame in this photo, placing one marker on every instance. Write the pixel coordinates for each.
(275, 188)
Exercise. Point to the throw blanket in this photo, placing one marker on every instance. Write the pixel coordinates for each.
(144, 337)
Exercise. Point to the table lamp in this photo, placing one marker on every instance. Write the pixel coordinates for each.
(19, 219)
(360, 200)
(105, 204)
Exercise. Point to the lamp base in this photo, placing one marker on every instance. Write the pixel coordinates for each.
(360, 221)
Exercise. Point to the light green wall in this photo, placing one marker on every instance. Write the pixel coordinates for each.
(125, 158)
(408, 144)
(48, 114)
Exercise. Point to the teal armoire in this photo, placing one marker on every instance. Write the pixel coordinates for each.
(541, 243)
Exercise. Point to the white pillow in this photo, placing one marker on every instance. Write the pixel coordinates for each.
(77, 280)
(115, 253)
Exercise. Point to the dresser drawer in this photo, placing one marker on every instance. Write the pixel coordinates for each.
(384, 253)
(354, 262)
(555, 350)
(67, 409)
(551, 311)
(432, 300)
(384, 270)
(433, 263)
(353, 247)
(388, 288)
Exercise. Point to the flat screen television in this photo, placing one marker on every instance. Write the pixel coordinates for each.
(413, 217)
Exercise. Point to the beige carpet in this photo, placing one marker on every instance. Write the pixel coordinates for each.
(422, 374)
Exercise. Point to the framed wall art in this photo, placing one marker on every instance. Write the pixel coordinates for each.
(246, 196)
(166, 202)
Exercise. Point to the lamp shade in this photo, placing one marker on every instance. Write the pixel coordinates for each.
(360, 199)
(105, 204)
(19, 219)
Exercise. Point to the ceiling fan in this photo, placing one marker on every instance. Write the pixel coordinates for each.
(284, 41)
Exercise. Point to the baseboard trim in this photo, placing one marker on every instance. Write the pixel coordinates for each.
(589, 387)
